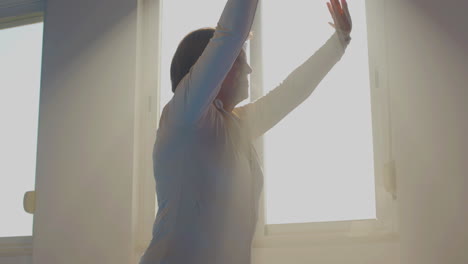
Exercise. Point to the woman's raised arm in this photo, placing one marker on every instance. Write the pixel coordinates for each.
(268, 110)
(197, 90)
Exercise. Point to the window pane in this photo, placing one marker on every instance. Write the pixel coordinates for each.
(20, 64)
(319, 162)
(174, 29)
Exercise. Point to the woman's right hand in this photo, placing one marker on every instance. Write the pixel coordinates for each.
(341, 17)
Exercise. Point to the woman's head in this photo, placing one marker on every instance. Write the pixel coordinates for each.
(188, 52)
(190, 49)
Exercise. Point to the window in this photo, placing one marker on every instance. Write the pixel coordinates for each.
(21, 51)
(319, 160)
(326, 163)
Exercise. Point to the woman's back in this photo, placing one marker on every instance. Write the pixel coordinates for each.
(203, 174)
(208, 183)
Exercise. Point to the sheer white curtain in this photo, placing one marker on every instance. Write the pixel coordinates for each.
(319, 163)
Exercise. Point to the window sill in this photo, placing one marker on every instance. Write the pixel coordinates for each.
(305, 240)
(16, 246)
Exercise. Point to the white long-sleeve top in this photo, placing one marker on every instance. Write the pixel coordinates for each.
(207, 172)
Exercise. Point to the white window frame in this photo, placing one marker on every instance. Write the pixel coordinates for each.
(385, 226)
(20, 12)
(148, 94)
(15, 13)
(280, 235)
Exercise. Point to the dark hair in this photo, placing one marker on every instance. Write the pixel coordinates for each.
(189, 50)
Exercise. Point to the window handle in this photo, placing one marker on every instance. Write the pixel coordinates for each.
(29, 202)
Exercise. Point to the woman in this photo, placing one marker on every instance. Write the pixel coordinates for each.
(208, 178)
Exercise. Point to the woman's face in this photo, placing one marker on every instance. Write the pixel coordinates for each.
(235, 87)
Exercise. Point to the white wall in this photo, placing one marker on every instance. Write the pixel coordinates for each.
(428, 41)
(84, 178)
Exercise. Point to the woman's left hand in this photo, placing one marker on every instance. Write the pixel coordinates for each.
(340, 14)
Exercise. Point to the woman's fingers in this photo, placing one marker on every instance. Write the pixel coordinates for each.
(348, 16)
(330, 8)
(338, 6)
(338, 15)
(332, 13)
(341, 17)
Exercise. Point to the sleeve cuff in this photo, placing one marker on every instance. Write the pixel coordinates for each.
(341, 42)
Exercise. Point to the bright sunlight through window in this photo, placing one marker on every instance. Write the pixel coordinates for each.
(21, 51)
(319, 160)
